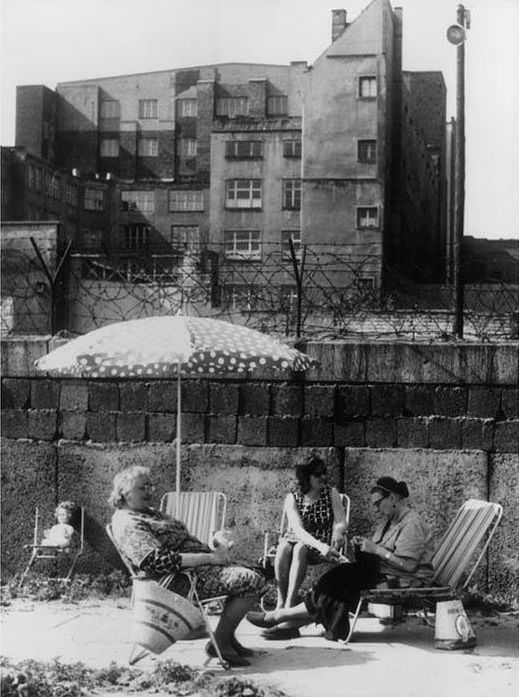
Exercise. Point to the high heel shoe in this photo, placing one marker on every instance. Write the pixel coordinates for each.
(233, 659)
(240, 649)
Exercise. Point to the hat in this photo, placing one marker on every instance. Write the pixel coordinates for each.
(392, 486)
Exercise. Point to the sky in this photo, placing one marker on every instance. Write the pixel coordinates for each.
(51, 41)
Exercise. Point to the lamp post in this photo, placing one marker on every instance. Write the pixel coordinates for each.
(456, 35)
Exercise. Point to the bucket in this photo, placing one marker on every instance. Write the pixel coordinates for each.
(452, 626)
(161, 617)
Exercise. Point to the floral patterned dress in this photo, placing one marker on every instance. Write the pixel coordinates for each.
(153, 542)
(317, 519)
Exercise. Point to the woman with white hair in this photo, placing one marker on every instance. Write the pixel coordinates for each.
(159, 545)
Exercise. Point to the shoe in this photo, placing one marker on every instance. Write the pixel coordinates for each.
(234, 659)
(240, 649)
(258, 620)
(281, 633)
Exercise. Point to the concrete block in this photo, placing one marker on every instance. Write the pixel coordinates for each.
(387, 400)
(223, 398)
(252, 430)
(19, 354)
(444, 433)
(162, 396)
(484, 402)
(503, 564)
(419, 400)
(28, 481)
(381, 433)
(101, 427)
(15, 423)
(316, 432)
(412, 433)
(450, 401)
(341, 361)
(195, 395)
(319, 400)
(161, 427)
(193, 428)
(130, 426)
(103, 396)
(221, 429)
(73, 396)
(477, 434)
(287, 400)
(349, 433)
(44, 394)
(283, 431)
(72, 425)
(504, 364)
(352, 400)
(510, 402)
(506, 436)
(254, 399)
(133, 396)
(43, 424)
(16, 393)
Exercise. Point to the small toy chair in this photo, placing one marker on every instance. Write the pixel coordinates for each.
(41, 551)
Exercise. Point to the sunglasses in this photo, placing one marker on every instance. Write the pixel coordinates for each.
(320, 474)
(148, 488)
(379, 501)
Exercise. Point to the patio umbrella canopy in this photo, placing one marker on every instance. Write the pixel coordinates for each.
(166, 346)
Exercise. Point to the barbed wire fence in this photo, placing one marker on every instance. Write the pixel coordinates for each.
(311, 292)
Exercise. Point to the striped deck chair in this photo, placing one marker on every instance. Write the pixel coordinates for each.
(202, 512)
(455, 561)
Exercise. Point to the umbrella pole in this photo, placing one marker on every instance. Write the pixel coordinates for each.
(179, 432)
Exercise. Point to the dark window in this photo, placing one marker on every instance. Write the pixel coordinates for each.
(367, 151)
(243, 149)
(292, 148)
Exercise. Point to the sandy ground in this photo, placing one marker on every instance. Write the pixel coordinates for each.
(381, 662)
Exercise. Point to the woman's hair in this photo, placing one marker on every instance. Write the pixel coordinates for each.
(123, 482)
(69, 506)
(312, 465)
(388, 485)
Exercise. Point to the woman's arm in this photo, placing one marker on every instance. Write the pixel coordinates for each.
(405, 564)
(165, 560)
(340, 524)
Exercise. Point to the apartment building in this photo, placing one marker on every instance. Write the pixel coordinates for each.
(241, 160)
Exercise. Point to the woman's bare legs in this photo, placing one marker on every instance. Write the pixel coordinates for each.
(296, 574)
(282, 565)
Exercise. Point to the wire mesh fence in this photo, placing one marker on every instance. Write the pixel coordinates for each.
(313, 292)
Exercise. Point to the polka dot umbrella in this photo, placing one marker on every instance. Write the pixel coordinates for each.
(173, 345)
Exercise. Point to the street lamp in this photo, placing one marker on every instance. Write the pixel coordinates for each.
(456, 35)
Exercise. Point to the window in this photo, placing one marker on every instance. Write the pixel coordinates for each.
(94, 199)
(185, 238)
(143, 201)
(148, 147)
(367, 217)
(186, 200)
(241, 297)
(148, 108)
(292, 148)
(31, 177)
(232, 106)
(53, 184)
(292, 194)
(187, 107)
(367, 87)
(243, 193)
(109, 109)
(286, 236)
(71, 194)
(367, 151)
(38, 178)
(242, 244)
(109, 147)
(187, 147)
(91, 239)
(136, 237)
(277, 106)
(243, 149)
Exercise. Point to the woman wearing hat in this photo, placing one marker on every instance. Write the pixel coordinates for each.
(398, 554)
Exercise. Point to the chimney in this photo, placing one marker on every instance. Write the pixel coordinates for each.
(338, 23)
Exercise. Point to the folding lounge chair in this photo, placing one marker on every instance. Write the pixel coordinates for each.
(40, 551)
(269, 550)
(465, 541)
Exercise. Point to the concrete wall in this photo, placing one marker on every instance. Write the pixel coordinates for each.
(444, 418)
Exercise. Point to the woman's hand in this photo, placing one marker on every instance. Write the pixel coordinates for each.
(221, 556)
(366, 545)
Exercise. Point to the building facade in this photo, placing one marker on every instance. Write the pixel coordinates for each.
(242, 164)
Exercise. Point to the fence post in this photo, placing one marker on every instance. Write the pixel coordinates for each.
(298, 272)
(52, 278)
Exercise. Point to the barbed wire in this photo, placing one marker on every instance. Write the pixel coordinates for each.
(333, 294)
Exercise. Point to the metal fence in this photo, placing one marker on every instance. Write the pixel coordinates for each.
(316, 292)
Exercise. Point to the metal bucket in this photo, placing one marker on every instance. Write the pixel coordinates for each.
(161, 617)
